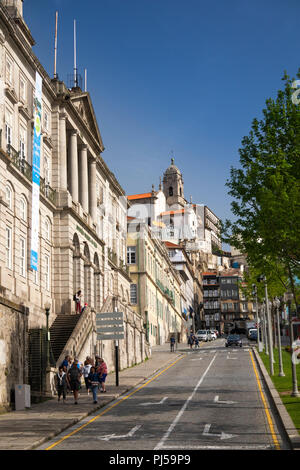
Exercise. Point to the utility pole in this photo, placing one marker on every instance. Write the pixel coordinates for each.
(276, 304)
(295, 393)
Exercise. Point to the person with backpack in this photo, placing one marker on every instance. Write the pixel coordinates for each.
(93, 379)
(74, 376)
(172, 343)
(77, 299)
(102, 371)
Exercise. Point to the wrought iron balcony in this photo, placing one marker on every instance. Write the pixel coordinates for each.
(47, 191)
(20, 162)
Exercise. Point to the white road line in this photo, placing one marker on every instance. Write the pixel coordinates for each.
(216, 400)
(177, 418)
(157, 403)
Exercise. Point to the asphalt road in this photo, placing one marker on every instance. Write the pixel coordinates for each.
(210, 398)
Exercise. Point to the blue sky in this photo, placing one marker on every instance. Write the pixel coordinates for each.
(172, 75)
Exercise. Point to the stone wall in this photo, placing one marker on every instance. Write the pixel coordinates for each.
(13, 349)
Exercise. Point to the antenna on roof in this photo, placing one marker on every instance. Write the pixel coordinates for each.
(55, 46)
(75, 64)
(85, 80)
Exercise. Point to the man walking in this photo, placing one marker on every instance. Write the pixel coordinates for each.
(172, 343)
(74, 375)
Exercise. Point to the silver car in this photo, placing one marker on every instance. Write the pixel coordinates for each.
(203, 335)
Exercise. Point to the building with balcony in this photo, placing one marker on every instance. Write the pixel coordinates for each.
(63, 212)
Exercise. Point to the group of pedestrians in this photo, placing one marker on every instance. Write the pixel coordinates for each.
(70, 373)
(193, 341)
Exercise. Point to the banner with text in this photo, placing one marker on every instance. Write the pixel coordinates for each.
(36, 157)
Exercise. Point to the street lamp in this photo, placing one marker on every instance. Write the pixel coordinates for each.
(254, 293)
(47, 310)
(276, 304)
(288, 296)
(271, 356)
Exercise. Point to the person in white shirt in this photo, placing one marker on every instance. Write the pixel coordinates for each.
(86, 370)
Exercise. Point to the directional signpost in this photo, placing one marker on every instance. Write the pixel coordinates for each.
(110, 326)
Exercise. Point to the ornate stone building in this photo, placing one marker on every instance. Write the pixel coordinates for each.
(78, 215)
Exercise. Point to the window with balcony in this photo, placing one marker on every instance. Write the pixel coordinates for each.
(23, 133)
(8, 126)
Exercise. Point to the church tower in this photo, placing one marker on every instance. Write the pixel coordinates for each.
(173, 187)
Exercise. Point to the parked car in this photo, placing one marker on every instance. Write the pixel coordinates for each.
(233, 340)
(250, 331)
(213, 334)
(203, 335)
(217, 333)
(253, 335)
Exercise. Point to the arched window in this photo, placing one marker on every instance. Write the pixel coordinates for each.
(23, 208)
(47, 229)
(9, 196)
(170, 191)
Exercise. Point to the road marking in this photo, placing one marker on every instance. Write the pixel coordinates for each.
(216, 400)
(222, 436)
(199, 359)
(112, 406)
(108, 437)
(271, 425)
(177, 418)
(159, 403)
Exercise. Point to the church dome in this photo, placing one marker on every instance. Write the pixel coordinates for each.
(172, 169)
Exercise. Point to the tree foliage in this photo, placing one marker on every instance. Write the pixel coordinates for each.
(266, 190)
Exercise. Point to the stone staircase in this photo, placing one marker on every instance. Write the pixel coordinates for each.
(60, 332)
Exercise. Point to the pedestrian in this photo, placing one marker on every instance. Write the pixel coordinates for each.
(77, 300)
(62, 381)
(74, 376)
(93, 379)
(97, 362)
(86, 370)
(83, 308)
(172, 343)
(65, 362)
(196, 342)
(191, 341)
(102, 371)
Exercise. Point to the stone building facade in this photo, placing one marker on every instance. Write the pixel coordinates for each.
(82, 209)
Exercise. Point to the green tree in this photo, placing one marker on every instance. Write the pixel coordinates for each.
(266, 191)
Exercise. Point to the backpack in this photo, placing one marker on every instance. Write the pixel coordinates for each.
(74, 373)
(74, 297)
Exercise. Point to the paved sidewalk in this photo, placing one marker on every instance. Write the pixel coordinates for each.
(24, 430)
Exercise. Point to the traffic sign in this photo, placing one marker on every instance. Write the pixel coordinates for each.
(110, 326)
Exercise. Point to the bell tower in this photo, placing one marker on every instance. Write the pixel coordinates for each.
(173, 187)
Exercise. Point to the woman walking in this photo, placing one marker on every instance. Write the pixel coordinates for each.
(93, 379)
(86, 370)
(102, 371)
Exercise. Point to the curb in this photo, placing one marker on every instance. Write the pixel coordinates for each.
(96, 408)
(285, 419)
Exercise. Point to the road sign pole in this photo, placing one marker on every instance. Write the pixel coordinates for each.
(117, 362)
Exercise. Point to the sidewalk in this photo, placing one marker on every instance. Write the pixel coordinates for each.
(25, 430)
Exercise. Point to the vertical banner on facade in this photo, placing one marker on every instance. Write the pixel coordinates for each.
(36, 157)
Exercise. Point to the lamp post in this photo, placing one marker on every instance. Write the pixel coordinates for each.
(276, 304)
(47, 311)
(271, 356)
(288, 297)
(254, 293)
